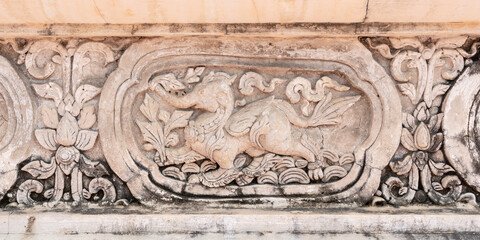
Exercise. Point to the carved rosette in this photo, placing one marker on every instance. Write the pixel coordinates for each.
(220, 120)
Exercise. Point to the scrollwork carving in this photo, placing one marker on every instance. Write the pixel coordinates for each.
(424, 71)
(68, 126)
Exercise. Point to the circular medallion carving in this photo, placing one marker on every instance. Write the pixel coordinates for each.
(16, 124)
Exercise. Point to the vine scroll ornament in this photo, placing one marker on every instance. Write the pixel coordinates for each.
(424, 71)
(68, 126)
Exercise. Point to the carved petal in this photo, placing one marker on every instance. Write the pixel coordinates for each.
(422, 137)
(193, 75)
(49, 116)
(409, 121)
(47, 138)
(40, 169)
(164, 116)
(439, 169)
(49, 90)
(85, 93)
(439, 90)
(403, 166)
(169, 82)
(407, 140)
(149, 108)
(435, 122)
(87, 117)
(86, 139)
(67, 130)
(178, 119)
(436, 143)
(346, 159)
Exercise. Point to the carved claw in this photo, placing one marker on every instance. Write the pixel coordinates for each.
(315, 171)
(315, 174)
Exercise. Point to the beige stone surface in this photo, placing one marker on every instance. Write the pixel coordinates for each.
(181, 11)
(236, 11)
(423, 11)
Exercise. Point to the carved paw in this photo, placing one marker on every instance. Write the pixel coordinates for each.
(315, 174)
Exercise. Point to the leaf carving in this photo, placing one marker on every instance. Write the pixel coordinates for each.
(40, 169)
(193, 74)
(164, 116)
(408, 90)
(179, 119)
(439, 169)
(47, 138)
(329, 111)
(407, 140)
(439, 90)
(87, 117)
(149, 108)
(402, 167)
(169, 82)
(85, 93)
(86, 139)
(49, 116)
(172, 140)
(49, 90)
(153, 134)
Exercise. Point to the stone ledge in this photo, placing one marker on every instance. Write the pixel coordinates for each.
(240, 29)
(332, 222)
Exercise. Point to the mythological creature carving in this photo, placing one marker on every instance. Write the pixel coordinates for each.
(268, 125)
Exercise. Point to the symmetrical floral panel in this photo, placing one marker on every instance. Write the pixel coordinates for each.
(360, 121)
